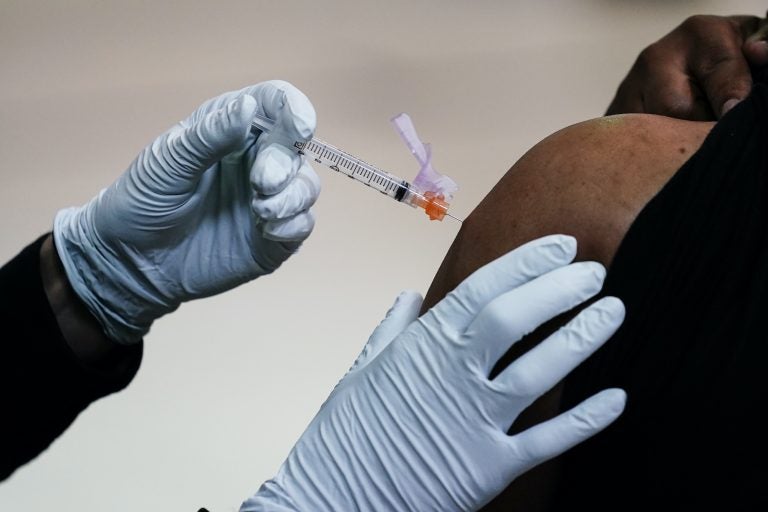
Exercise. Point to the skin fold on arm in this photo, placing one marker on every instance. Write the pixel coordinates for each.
(590, 180)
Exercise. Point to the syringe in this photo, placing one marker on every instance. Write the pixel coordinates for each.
(433, 204)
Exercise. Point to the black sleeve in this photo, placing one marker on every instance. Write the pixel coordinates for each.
(43, 386)
(692, 353)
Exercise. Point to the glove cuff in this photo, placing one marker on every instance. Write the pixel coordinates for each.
(101, 279)
(271, 497)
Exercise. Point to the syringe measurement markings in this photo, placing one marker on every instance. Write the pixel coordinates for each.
(357, 167)
(378, 179)
(374, 176)
(346, 163)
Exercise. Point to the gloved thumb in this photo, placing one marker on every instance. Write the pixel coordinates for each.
(404, 311)
(195, 148)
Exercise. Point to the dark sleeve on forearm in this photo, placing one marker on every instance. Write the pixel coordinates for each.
(43, 386)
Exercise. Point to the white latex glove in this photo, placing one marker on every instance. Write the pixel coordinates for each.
(205, 207)
(416, 424)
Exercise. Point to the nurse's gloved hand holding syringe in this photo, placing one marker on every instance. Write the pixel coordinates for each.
(207, 206)
(416, 424)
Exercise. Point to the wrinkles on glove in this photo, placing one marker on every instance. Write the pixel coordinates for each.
(416, 424)
(299, 195)
(179, 224)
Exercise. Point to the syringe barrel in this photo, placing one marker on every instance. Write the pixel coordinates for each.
(340, 161)
(261, 123)
(332, 157)
(318, 151)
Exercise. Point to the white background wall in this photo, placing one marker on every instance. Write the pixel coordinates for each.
(229, 383)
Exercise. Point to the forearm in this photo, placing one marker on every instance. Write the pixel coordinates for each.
(49, 372)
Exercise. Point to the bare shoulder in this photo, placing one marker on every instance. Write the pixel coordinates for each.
(589, 180)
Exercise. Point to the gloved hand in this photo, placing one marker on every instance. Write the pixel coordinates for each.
(698, 71)
(417, 425)
(205, 207)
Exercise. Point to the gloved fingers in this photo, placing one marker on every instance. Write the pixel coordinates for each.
(516, 313)
(270, 256)
(275, 166)
(291, 229)
(277, 159)
(458, 309)
(541, 368)
(184, 154)
(293, 113)
(402, 313)
(553, 437)
(300, 194)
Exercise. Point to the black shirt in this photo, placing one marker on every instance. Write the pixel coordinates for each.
(692, 353)
(43, 386)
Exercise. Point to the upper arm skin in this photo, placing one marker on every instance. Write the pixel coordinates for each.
(590, 180)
